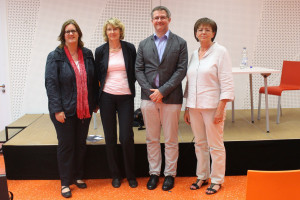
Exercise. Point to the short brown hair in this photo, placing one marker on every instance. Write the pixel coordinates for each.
(161, 8)
(61, 36)
(205, 21)
(115, 22)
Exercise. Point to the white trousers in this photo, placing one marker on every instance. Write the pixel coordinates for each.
(208, 142)
(157, 115)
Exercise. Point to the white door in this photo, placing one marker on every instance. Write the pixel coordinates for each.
(5, 111)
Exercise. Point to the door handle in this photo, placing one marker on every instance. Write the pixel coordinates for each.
(3, 88)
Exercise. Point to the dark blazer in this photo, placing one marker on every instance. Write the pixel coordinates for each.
(60, 82)
(172, 68)
(101, 60)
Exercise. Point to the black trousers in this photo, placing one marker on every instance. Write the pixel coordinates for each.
(123, 105)
(71, 148)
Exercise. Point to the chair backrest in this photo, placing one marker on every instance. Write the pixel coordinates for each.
(273, 185)
(290, 73)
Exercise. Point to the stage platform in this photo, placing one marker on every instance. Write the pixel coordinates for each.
(31, 153)
(17, 126)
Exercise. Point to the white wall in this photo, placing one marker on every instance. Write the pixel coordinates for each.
(269, 29)
(5, 114)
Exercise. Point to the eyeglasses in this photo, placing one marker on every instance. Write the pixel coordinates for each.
(70, 31)
(160, 17)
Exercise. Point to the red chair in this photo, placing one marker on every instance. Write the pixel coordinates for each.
(290, 80)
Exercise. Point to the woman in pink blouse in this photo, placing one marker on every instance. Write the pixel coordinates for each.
(115, 67)
(209, 87)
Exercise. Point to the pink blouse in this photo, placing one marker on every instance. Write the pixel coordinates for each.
(116, 79)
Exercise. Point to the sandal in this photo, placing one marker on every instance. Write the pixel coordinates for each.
(210, 189)
(66, 194)
(204, 182)
(80, 184)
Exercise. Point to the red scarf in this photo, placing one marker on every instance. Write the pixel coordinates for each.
(81, 83)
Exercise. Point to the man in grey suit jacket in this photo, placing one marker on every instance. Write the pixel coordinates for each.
(160, 67)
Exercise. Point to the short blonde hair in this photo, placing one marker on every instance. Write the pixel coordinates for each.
(115, 22)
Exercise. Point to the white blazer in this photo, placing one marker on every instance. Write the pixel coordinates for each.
(209, 80)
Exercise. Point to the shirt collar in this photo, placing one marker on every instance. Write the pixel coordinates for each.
(166, 36)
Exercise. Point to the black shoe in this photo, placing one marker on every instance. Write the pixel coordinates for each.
(168, 183)
(66, 194)
(80, 185)
(116, 182)
(133, 183)
(153, 181)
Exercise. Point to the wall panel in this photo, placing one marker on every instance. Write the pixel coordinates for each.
(269, 29)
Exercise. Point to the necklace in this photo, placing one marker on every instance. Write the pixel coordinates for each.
(201, 54)
(73, 53)
(114, 49)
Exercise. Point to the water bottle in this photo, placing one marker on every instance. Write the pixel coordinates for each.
(244, 61)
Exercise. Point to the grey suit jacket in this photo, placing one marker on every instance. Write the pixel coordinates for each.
(172, 68)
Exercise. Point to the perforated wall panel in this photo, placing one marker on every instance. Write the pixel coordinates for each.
(22, 18)
(269, 29)
(278, 40)
(135, 15)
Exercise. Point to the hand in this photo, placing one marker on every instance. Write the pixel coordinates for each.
(186, 117)
(219, 116)
(156, 96)
(60, 116)
(159, 101)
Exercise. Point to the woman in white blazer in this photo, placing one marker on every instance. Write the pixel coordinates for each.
(209, 87)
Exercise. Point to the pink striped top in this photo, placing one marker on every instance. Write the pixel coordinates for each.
(116, 79)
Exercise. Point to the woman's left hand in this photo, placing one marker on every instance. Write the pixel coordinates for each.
(219, 115)
(186, 117)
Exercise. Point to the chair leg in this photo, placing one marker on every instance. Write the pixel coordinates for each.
(278, 109)
(259, 104)
(232, 111)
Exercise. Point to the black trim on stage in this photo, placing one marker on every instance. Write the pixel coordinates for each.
(39, 162)
(271, 155)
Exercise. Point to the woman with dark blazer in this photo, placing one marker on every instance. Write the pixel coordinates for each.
(115, 62)
(72, 90)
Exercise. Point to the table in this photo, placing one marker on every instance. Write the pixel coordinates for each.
(265, 72)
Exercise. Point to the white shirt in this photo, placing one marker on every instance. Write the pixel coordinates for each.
(77, 65)
(209, 80)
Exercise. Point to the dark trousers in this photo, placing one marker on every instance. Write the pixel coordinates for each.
(124, 106)
(71, 148)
